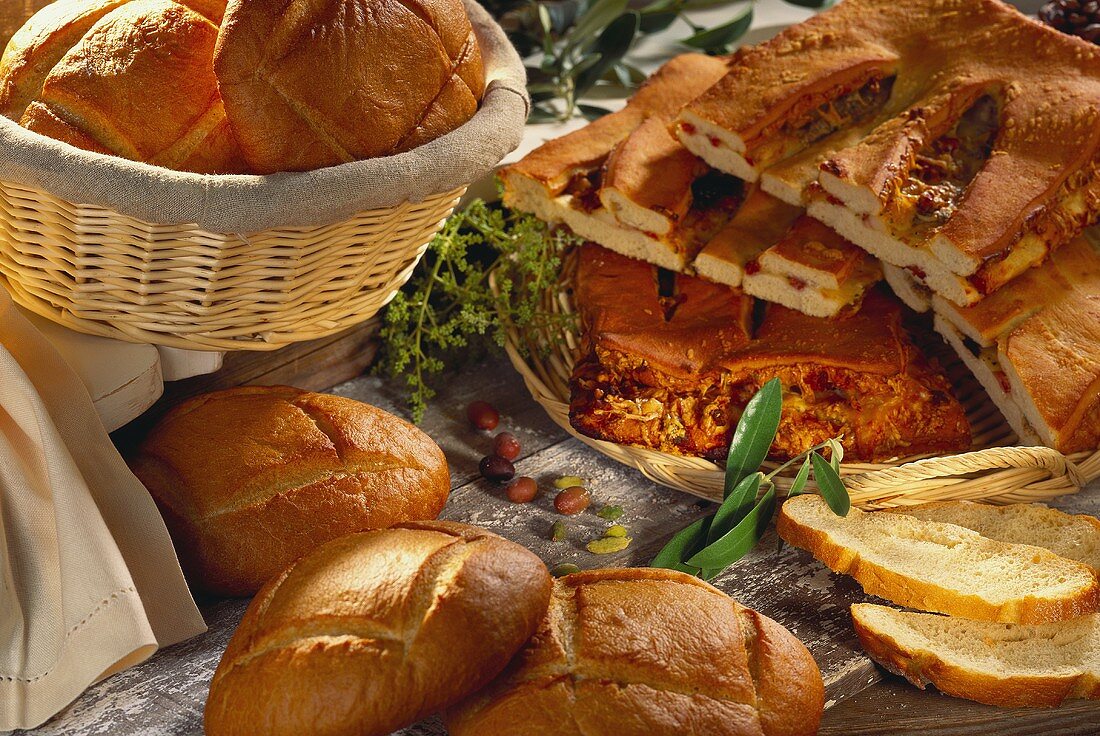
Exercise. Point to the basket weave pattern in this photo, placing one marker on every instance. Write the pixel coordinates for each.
(104, 273)
(994, 471)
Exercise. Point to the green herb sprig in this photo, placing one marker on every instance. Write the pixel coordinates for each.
(714, 542)
(448, 312)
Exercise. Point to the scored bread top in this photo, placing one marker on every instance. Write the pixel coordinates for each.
(313, 84)
(941, 567)
(1073, 536)
(235, 448)
(132, 79)
(613, 656)
(375, 630)
(1009, 665)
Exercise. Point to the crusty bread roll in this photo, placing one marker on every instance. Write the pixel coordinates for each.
(250, 479)
(309, 84)
(374, 631)
(132, 78)
(14, 13)
(648, 652)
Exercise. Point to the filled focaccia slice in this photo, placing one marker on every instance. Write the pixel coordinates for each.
(668, 362)
(812, 270)
(625, 182)
(650, 345)
(859, 376)
(980, 155)
(776, 253)
(1035, 348)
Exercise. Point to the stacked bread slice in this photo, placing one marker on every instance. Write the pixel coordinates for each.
(627, 183)
(961, 145)
(1018, 582)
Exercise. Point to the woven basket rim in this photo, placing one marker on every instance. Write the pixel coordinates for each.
(451, 161)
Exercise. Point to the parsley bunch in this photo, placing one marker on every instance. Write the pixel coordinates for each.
(448, 312)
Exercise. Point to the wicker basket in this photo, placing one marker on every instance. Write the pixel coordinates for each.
(995, 471)
(259, 261)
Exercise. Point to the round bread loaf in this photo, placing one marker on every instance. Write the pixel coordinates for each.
(648, 652)
(374, 631)
(309, 84)
(250, 479)
(131, 78)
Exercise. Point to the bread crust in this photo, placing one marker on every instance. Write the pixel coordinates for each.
(612, 656)
(225, 468)
(1036, 186)
(314, 83)
(925, 595)
(131, 79)
(376, 630)
(923, 666)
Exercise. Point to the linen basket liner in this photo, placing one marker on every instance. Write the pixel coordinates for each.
(247, 203)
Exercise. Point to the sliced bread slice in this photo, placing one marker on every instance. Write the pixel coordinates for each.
(1076, 537)
(1009, 665)
(939, 567)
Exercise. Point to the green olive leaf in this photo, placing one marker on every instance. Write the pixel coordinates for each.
(737, 504)
(683, 544)
(831, 486)
(596, 18)
(613, 43)
(817, 4)
(659, 15)
(836, 453)
(735, 544)
(754, 434)
(718, 40)
(799, 483)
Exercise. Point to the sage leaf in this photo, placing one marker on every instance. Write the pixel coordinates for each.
(737, 504)
(683, 544)
(718, 40)
(799, 483)
(831, 486)
(754, 434)
(735, 544)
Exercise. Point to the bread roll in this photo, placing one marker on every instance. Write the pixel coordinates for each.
(648, 652)
(309, 84)
(250, 479)
(374, 631)
(14, 13)
(132, 78)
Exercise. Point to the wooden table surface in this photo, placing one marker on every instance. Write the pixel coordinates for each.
(166, 694)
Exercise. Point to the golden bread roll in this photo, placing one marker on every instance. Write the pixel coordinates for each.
(313, 83)
(252, 478)
(14, 13)
(132, 78)
(374, 631)
(649, 652)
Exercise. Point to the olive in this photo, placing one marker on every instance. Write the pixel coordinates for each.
(483, 415)
(506, 445)
(572, 500)
(497, 468)
(522, 490)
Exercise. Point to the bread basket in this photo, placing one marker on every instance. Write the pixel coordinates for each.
(996, 470)
(126, 250)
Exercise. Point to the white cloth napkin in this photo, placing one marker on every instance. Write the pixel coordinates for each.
(89, 582)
